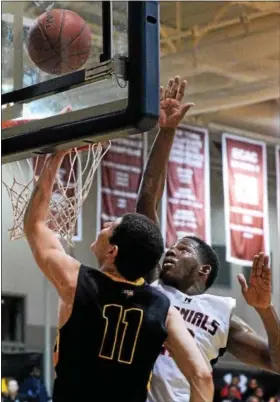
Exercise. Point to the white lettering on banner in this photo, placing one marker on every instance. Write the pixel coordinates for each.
(245, 196)
(185, 175)
(194, 160)
(183, 218)
(187, 203)
(121, 170)
(243, 155)
(122, 179)
(247, 220)
(245, 166)
(118, 166)
(246, 189)
(119, 193)
(121, 203)
(185, 224)
(239, 210)
(187, 149)
(129, 143)
(241, 228)
(187, 185)
(189, 140)
(126, 151)
(184, 193)
(247, 235)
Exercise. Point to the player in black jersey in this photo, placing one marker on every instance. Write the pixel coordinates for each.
(112, 325)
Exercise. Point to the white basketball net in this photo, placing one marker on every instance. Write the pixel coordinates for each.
(71, 188)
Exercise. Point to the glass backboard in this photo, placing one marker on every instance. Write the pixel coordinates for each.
(114, 93)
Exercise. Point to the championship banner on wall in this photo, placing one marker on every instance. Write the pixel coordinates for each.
(121, 172)
(245, 198)
(187, 188)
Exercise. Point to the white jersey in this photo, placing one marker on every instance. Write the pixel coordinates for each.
(207, 317)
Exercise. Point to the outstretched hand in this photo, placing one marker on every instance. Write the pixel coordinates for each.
(172, 111)
(258, 292)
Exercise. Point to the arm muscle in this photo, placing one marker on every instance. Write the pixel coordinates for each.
(182, 347)
(247, 346)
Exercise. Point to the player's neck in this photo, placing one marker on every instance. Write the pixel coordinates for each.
(111, 270)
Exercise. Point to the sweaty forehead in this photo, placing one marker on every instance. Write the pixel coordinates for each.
(186, 242)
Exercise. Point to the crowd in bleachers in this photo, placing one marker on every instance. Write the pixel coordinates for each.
(239, 388)
(236, 388)
(31, 389)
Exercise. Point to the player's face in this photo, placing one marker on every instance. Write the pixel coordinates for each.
(102, 248)
(180, 267)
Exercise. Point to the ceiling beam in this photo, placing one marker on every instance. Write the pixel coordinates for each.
(168, 42)
(226, 71)
(178, 20)
(228, 55)
(219, 25)
(210, 102)
(260, 5)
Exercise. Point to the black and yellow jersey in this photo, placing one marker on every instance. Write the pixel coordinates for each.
(107, 349)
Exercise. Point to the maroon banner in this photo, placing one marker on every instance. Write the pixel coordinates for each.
(121, 172)
(245, 197)
(188, 196)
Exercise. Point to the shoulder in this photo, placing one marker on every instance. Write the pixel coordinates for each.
(157, 295)
(221, 301)
(239, 325)
(167, 290)
(155, 284)
(91, 273)
(89, 280)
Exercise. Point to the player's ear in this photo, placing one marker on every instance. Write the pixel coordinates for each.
(204, 271)
(112, 253)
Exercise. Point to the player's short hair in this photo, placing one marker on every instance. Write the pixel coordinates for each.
(207, 256)
(140, 246)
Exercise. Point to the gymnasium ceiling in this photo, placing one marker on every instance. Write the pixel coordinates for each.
(228, 51)
(230, 54)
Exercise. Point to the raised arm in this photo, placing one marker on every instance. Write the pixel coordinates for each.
(184, 350)
(172, 111)
(243, 342)
(59, 268)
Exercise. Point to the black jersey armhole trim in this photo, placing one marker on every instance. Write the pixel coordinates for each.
(75, 298)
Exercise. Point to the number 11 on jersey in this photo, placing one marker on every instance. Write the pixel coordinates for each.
(121, 330)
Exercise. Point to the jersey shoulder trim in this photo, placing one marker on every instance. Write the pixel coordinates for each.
(138, 282)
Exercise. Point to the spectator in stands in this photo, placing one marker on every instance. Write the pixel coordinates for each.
(275, 398)
(235, 380)
(12, 392)
(259, 393)
(225, 390)
(33, 387)
(252, 386)
(233, 394)
(252, 399)
(4, 386)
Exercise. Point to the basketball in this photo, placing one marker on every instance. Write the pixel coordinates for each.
(59, 42)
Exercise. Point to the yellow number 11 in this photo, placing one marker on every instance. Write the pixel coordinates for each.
(122, 327)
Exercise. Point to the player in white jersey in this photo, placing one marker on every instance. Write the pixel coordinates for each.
(207, 318)
(190, 267)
